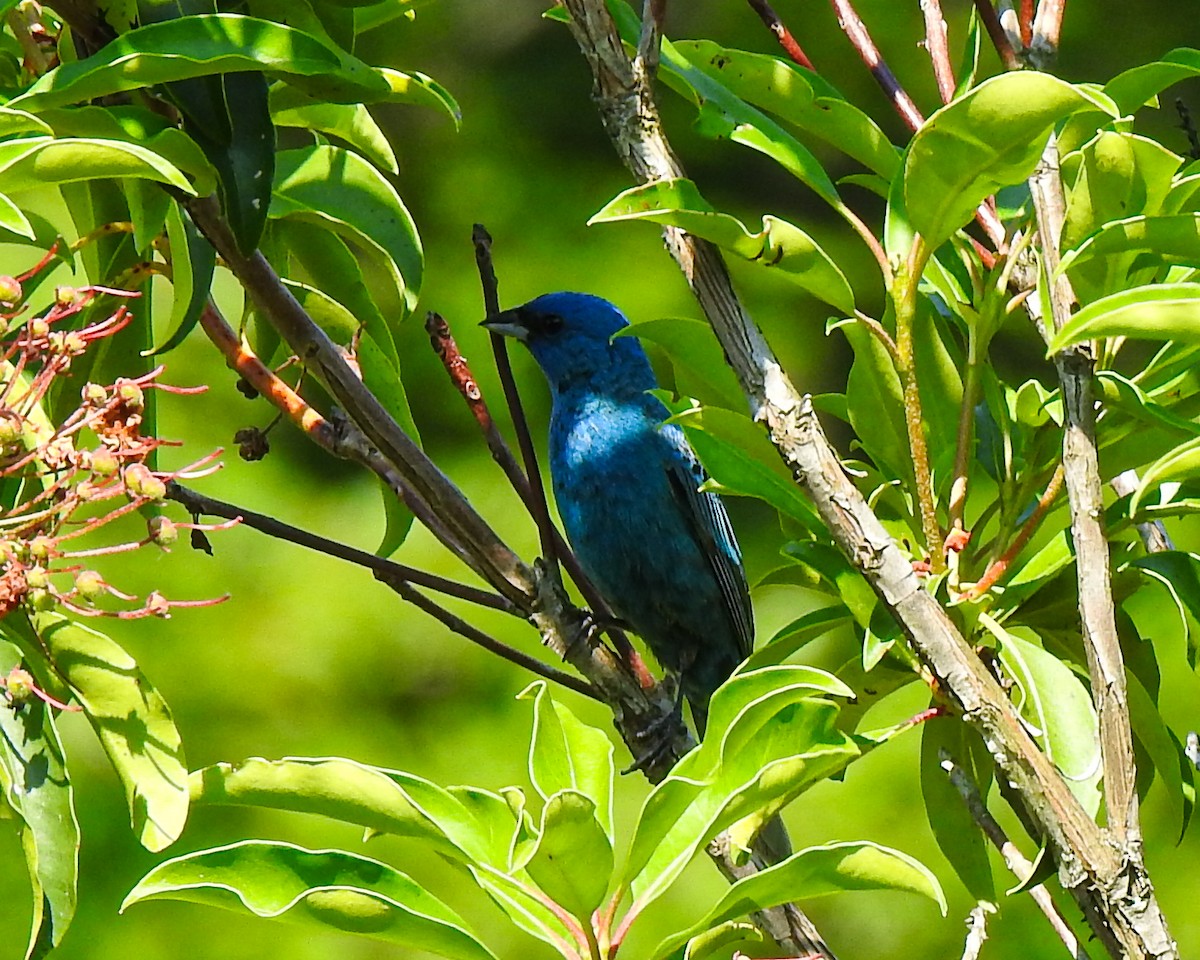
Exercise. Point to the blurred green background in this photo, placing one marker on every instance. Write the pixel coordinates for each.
(310, 657)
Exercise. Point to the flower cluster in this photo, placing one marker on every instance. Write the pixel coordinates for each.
(64, 477)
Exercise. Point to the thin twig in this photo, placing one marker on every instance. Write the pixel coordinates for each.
(1016, 862)
(1025, 20)
(977, 930)
(491, 302)
(1000, 566)
(852, 25)
(477, 636)
(987, 13)
(939, 52)
(199, 505)
(771, 19)
(1154, 535)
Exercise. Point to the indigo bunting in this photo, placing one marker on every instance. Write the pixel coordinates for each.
(661, 552)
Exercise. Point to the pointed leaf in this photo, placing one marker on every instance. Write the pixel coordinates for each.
(1160, 311)
(35, 163)
(343, 192)
(573, 860)
(349, 122)
(132, 721)
(990, 138)
(815, 872)
(201, 45)
(325, 888)
(193, 261)
(37, 787)
(778, 245)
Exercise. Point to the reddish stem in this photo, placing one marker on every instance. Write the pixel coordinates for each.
(769, 17)
(852, 25)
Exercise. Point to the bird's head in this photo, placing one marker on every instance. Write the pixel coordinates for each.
(571, 337)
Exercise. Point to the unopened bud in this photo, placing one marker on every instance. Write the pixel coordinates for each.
(140, 482)
(74, 344)
(37, 578)
(85, 489)
(105, 462)
(131, 393)
(39, 328)
(40, 547)
(18, 685)
(162, 531)
(94, 395)
(158, 605)
(10, 290)
(89, 584)
(66, 296)
(10, 430)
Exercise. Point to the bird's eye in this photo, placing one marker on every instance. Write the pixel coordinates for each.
(551, 323)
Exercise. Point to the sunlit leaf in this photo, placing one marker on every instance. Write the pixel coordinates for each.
(573, 860)
(349, 122)
(990, 138)
(1160, 311)
(324, 888)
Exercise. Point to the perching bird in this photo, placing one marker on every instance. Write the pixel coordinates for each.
(661, 553)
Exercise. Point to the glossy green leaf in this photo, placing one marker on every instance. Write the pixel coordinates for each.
(729, 445)
(343, 192)
(696, 356)
(1152, 733)
(940, 362)
(132, 721)
(831, 565)
(875, 402)
(525, 906)
(719, 941)
(148, 208)
(1180, 463)
(14, 122)
(1166, 239)
(38, 162)
(331, 787)
(817, 871)
(1160, 311)
(11, 218)
(778, 245)
(958, 835)
(799, 97)
(199, 46)
(573, 860)
(332, 889)
(37, 787)
(1056, 702)
(1141, 84)
(770, 736)
(1179, 572)
(566, 754)
(141, 127)
(193, 261)
(338, 323)
(350, 122)
(420, 90)
(990, 138)
(790, 638)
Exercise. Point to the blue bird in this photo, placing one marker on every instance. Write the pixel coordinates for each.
(661, 552)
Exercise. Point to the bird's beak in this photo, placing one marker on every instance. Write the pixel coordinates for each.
(507, 324)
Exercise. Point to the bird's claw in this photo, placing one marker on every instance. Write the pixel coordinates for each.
(661, 736)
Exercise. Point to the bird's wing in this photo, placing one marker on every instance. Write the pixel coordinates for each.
(714, 533)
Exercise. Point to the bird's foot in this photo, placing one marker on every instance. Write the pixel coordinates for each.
(660, 738)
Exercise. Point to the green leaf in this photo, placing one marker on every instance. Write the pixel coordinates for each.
(1177, 464)
(201, 45)
(1136, 87)
(875, 402)
(696, 356)
(778, 245)
(770, 736)
(833, 567)
(817, 871)
(341, 191)
(573, 860)
(566, 754)
(1173, 239)
(37, 162)
(37, 787)
(718, 941)
(799, 97)
(790, 638)
(958, 835)
(11, 218)
(1179, 572)
(349, 122)
(420, 90)
(1151, 731)
(527, 909)
(990, 138)
(1159, 311)
(1056, 702)
(732, 450)
(132, 721)
(193, 261)
(148, 208)
(323, 888)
